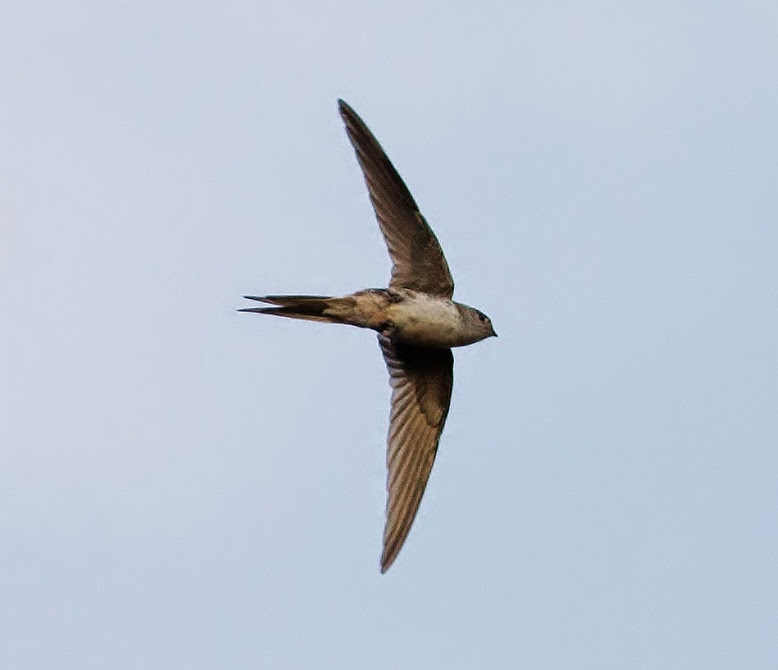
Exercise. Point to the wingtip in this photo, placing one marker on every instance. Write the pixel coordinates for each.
(387, 560)
(347, 112)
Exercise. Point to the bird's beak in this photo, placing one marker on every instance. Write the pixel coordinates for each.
(493, 333)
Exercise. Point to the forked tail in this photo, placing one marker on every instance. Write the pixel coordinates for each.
(363, 309)
(307, 307)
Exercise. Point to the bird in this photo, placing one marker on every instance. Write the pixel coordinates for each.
(417, 323)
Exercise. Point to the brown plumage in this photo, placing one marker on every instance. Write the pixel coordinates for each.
(417, 322)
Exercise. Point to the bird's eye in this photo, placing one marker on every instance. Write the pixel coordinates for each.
(482, 317)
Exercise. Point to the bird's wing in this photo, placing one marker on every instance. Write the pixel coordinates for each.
(421, 381)
(418, 262)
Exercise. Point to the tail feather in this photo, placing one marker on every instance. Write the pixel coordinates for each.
(307, 307)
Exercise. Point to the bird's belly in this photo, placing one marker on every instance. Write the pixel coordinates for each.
(425, 321)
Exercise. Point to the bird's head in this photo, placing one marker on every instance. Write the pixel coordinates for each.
(479, 325)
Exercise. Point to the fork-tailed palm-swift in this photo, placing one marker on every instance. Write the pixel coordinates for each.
(417, 324)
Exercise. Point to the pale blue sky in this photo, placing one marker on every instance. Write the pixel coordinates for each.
(183, 486)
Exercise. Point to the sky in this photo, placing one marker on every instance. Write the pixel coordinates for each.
(185, 486)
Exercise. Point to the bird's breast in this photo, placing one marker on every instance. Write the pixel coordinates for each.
(426, 321)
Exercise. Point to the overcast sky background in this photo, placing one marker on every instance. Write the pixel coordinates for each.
(183, 486)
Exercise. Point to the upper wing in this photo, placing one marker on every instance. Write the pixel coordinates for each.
(421, 382)
(417, 259)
